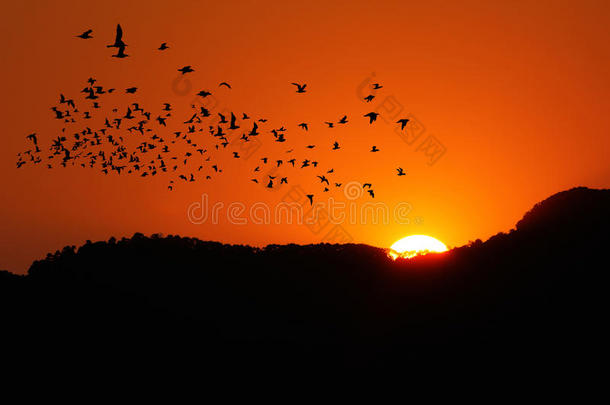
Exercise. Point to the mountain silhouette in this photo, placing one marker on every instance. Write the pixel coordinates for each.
(533, 295)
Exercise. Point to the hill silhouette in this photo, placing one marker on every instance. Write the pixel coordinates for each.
(534, 294)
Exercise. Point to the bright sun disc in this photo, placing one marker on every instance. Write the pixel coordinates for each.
(415, 245)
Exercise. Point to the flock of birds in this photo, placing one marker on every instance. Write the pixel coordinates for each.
(128, 140)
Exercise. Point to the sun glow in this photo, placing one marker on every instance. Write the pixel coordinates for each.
(416, 245)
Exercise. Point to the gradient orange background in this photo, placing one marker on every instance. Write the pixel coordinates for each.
(517, 92)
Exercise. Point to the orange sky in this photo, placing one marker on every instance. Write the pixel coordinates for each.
(517, 93)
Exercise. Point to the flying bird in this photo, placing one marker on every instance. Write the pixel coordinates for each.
(400, 171)
(372, 117)
(118, 40)
(403, 122)
(227, 85)
(186, 69)
(85, 35)
(163, 46)
(233, 119)
(300, 87)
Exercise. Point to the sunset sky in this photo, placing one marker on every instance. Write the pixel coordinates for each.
(515, 92)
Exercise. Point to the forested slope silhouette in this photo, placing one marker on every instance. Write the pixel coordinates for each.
(536, 292)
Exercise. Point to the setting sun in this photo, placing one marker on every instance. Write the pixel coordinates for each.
(415, 245)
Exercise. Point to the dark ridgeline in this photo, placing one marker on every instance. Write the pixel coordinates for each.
(532, 296)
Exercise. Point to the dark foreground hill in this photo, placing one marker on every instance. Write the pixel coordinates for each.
(536, 295)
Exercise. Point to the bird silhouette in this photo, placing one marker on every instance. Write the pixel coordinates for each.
(300, 87)
(163, 46)
(400, 171)
(374, 149)
(227, 85)
(403, 122)
(336, 146)
(186, 69)
(343, 120)
(376, 86)
(86, 35)
(233, 120)
(310, 197)
(304, 126)
(369, 98)
(372, 117)
(254, 132)
(118, 39)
